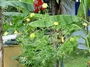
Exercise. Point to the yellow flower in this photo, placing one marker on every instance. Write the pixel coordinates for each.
(15, 32)
(27, 19)
(55, 23)
(62, 39)
(32, 35)
(32, 14)
(45, 5)
(85, 24)
(71, 39)
(6, 33)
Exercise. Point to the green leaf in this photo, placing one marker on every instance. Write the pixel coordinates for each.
(11, 13)
(48, 21)
(19, 4)
(68, 46)
(29, 1)
(88, 40)
(42, 22)
(65, 19)
(83, 9)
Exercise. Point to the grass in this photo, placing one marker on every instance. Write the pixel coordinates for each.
(76, 61)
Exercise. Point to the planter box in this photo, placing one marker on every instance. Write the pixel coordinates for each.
(9, 53)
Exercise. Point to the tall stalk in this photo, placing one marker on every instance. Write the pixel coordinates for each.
(1, 42)
(55, 46)
(54, 7)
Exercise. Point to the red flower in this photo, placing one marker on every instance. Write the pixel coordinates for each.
(38, 5)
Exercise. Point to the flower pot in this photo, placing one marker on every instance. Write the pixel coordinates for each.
(9, 53)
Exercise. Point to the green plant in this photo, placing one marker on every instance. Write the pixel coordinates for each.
(48, 40)
(83, 13)
(15, 19)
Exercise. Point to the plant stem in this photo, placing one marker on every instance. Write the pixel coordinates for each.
(62, 63)
(1, 42)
